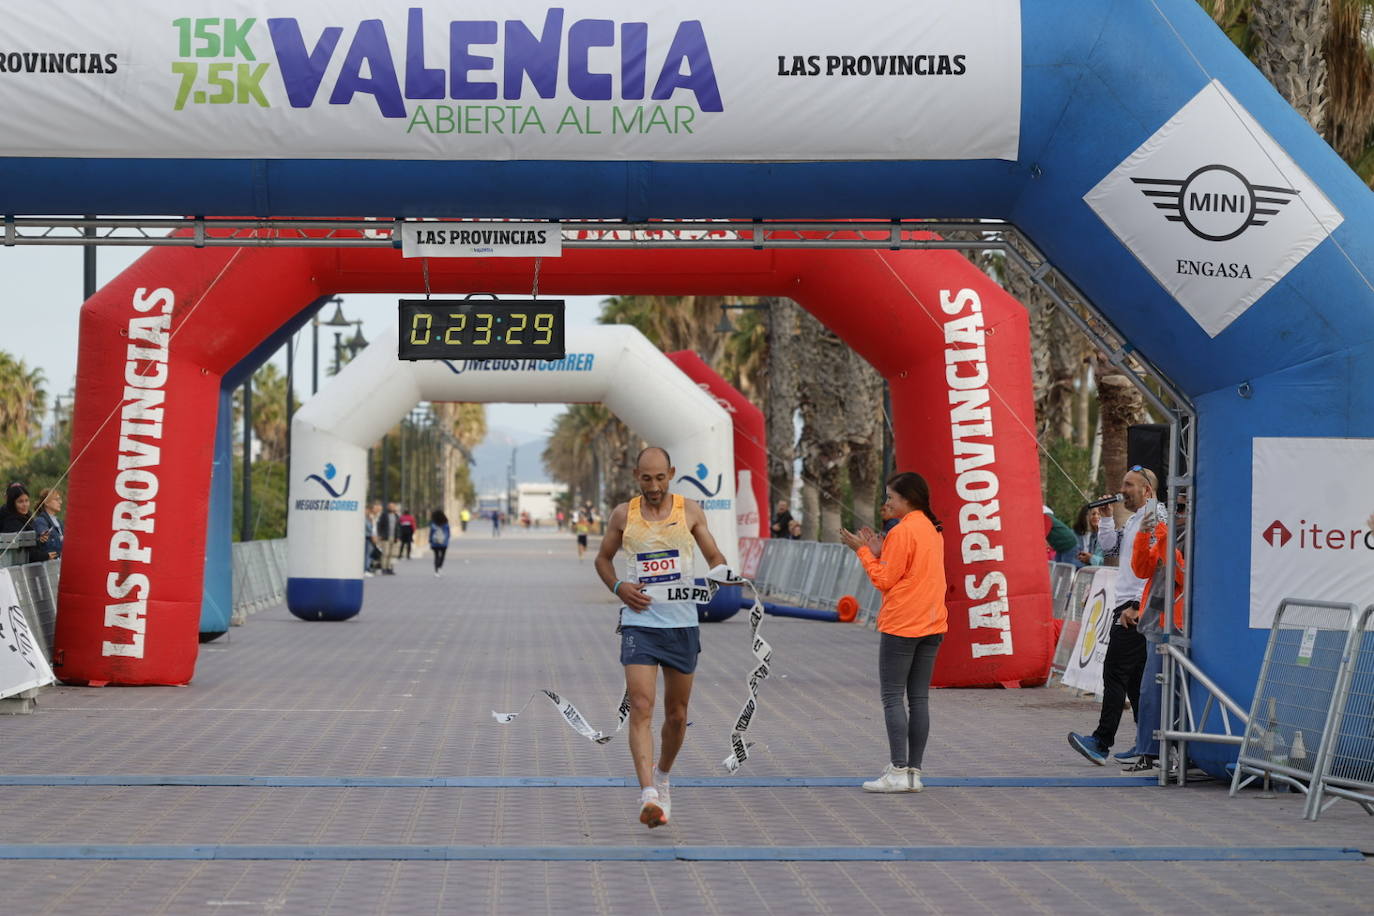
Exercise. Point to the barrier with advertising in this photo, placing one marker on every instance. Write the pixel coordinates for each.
(1309, 531)
(22, 665)
(512, 79)
(1089, 634)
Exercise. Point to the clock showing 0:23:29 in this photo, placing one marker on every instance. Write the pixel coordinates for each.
(481, 329)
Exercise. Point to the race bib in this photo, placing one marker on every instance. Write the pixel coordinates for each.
(658, 566)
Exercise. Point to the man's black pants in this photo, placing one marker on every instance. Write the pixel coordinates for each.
(1121, 671)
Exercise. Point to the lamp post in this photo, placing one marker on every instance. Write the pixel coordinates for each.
(725, 326)
(336, 321)
(246, 521)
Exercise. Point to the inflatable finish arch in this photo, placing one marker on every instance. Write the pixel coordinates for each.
(331, 434)
(953, 345)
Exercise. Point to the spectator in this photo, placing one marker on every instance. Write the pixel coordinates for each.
(371, 552)
(1147, 562)
(387, 532)
(1125, 661)
(1090, 552)
(909, 569)
(782, 520)
(495, 523)
(464, 516)
(582, 527)
(14, 515)
(46, 525)
(1063, 546)
(438, 539)
(794, 530)
(406, 532)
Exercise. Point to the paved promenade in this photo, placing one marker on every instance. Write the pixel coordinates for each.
(355, 768)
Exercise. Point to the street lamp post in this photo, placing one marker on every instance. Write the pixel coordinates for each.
(336, 321)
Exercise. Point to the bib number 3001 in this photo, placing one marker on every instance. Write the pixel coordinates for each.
(658, 566)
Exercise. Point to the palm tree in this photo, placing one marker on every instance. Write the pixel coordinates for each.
(269, 412)
(23, 403)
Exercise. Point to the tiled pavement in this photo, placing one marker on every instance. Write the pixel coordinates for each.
(406, 690)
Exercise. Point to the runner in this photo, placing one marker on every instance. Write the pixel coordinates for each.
(581, 527)
(658, 530)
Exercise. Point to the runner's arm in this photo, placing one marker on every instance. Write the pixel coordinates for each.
(628, 592)
(696, 521)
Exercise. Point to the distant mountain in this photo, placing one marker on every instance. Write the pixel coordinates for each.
(493, 458)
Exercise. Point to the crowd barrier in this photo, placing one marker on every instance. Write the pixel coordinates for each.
(1311, 723)
(36, 586)
(259, 577)
(815, 575)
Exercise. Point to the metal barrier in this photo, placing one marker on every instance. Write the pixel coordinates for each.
(36, 586)
(1062, 576)
(1345, 763)
(1071, 613)
(815, 575)
(1294, 717)
(259, 577)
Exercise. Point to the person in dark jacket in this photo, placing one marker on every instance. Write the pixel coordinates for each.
(14, 515)
(46, 524)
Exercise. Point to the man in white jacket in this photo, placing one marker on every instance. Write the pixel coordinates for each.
(1125, 661)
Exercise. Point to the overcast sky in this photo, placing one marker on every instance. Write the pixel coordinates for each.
(40, 298)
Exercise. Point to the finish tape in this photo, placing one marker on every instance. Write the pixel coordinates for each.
(763, 653)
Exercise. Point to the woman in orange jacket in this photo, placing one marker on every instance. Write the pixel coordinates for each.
(908, 567)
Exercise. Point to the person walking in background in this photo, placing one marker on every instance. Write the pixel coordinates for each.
(46, 526)
(582, 527)
(387, 526)
(908, 567)
(372, 554)
(464, 516)
(406, 533)
(438, 539)
(495, 523)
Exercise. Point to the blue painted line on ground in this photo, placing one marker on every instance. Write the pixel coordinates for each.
(562, 782)
(220, 852)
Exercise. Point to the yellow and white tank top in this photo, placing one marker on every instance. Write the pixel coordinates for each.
(661, 559)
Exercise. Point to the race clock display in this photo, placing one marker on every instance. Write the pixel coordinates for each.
(481, 329)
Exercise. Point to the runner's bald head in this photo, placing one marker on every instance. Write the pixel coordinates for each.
(648, 454)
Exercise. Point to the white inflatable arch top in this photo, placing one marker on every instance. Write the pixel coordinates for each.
(611, 364)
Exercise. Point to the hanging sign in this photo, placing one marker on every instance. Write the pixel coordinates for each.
(481, 240)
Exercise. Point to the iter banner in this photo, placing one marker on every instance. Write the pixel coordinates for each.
(512, 79)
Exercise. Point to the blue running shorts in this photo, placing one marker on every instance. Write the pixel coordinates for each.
(676, 647)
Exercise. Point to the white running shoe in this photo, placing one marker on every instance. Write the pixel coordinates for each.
(894, 779)
(661, 784)
(915, 774)
(651, 813)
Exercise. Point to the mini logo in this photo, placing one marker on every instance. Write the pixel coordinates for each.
(701, 474)
(329, 474)
(1277, 532)
(1216, 203)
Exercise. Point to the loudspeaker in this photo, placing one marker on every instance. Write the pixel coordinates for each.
(1147, 445)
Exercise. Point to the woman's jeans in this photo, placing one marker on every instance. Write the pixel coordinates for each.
(905, 664)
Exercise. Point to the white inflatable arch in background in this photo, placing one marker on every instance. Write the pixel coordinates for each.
(614, 364)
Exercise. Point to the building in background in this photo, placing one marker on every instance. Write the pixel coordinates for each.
(540, 501)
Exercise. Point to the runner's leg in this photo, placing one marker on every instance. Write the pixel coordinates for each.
(677, 690)
(640, 681)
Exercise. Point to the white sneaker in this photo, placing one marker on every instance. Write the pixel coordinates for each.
(436, 573)
(914, 773)
(894, 779)
(661, 784)
(651, 812)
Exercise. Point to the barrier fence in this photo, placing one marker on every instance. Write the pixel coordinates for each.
(815, 575)
(259, 576)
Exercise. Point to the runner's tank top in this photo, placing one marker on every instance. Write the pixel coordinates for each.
(661, 553)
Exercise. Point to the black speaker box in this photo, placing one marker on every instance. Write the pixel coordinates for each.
(1147, 445)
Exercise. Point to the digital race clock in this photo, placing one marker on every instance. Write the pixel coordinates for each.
(481, 329)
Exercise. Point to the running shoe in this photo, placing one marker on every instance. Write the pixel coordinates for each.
(915, 775)
(651, 813)
(1089, 747)
(1145, 766)
(894, 779)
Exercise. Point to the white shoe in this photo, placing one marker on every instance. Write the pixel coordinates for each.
(894, 779)
(436, 573)
(651, 813)
(661, 784)
(914, 774)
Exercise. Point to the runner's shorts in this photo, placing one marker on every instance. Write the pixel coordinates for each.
(676, 647)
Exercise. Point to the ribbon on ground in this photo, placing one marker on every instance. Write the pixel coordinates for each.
(739, 748)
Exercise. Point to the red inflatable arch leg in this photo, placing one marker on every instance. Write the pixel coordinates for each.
(953, 345)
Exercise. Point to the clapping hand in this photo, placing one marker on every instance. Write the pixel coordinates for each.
(864, 537)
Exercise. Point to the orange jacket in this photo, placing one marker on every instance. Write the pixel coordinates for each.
(911, 576)
(1146, 558)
